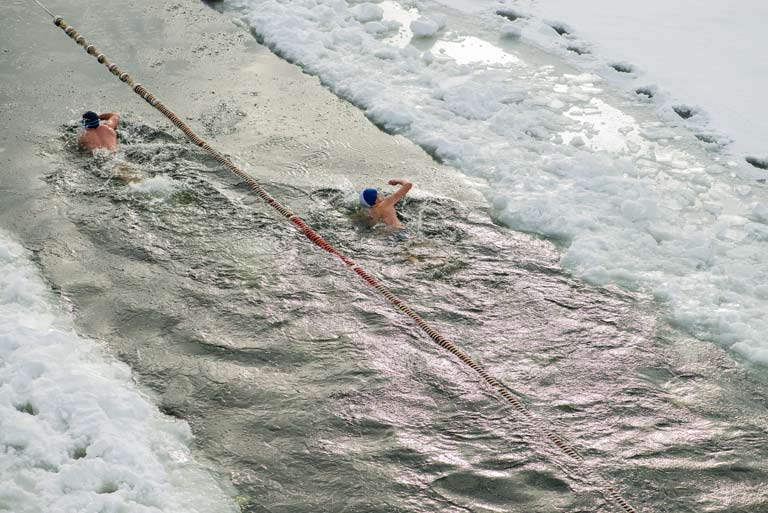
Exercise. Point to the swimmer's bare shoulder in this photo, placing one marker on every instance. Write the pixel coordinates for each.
(383, 209)
(103, 136)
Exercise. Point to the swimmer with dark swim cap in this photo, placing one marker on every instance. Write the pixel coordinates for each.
(98, 135)
(382, 210)
(90, 120)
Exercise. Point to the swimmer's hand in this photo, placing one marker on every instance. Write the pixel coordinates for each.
(399, 194)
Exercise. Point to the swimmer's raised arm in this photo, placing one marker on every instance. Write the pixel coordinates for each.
(111, 119)
(393, 198)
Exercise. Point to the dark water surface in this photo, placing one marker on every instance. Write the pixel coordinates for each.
(303, 388)
(314, 395)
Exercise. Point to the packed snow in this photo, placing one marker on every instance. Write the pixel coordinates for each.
(75, 433)
(705, 54)
(632, 200)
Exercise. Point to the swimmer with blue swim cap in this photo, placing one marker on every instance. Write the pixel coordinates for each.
(382, 210)
(99, 131)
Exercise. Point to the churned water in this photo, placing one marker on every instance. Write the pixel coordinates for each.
(314, 395)
(637, 200)
(300, 386)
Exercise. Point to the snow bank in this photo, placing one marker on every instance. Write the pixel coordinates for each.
(75, 434)
(630, 201)
(700, 52)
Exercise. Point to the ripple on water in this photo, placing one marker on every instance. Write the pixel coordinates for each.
(315, 396)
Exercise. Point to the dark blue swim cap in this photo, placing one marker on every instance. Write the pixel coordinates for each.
(368, 197)
(90, 119)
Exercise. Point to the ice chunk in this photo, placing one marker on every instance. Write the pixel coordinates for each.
(424, 27)
(367, 12)
(375, 27)
(392, 24)
(510, 31)
(760, 213)
(636, 211)
(389, 54)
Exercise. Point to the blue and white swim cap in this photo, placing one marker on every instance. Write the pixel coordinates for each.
(90, 119)
(368, 197)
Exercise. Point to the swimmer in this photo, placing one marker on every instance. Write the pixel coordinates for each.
(97, 135)
(382, 210)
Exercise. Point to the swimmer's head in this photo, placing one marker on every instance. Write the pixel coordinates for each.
(368, 197)
(90, 120)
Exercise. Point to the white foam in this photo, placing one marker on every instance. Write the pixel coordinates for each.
(160, 186)
(75, 433)
(631, 202)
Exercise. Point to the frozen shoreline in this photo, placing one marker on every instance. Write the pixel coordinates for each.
(634, 201)
(698, 56)
(77, 434)
(282, 395)
(180, 52)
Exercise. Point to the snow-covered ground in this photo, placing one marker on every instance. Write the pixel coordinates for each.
(707, 55)
(567, 154)
(76, 436)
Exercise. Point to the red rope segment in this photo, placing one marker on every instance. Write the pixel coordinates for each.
(611, 494)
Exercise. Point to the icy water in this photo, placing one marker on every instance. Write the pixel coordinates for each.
(635, 200)
(309, 393)
(313, 395)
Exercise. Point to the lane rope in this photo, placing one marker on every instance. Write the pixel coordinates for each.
(610, 493)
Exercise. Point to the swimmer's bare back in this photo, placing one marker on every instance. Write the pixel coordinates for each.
(103, 136)
(383, 211)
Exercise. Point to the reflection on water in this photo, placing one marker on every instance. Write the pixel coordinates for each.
(462, 49)
(470, 50)
(396, 12)
(605, 128)
(315, 396)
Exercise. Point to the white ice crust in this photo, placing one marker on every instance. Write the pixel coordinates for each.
(76, 436)
(632, 202)
(706, 54)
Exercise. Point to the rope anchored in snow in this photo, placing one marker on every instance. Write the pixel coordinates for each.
(609, 492)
